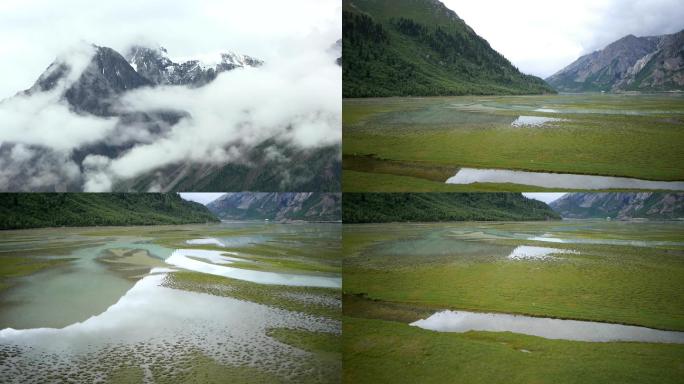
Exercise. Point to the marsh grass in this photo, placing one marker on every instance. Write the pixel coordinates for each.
(627, 136)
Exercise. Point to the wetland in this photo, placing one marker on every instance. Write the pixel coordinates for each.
(259, 302)
(514, 143)
(514, 301)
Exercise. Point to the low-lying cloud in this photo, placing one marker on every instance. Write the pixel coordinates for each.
(295, 101)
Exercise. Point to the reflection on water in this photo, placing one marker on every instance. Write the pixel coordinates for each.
(527, 252)
(183, 258)
(533, 121)
(462, 321)
(557, 180)
(166, 321)
(60, 296)
(108, 307)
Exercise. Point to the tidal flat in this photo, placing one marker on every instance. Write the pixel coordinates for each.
(160, 304)
(417, 144)
(464, 302)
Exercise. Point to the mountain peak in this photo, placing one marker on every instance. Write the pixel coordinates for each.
(631, 63)
(154, 64)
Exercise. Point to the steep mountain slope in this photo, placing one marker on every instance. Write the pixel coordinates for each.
(106, 76)
(651, 63)
(315, 169)
(277, 206)
(390, 207)
(650, 205)
(34, 210)
(421, 48)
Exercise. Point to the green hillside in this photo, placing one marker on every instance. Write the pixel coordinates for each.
(421, 48)
(35, 210)
(392, 207)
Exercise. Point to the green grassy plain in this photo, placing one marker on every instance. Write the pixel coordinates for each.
(379, 351)
(429, 139)
(393, 276)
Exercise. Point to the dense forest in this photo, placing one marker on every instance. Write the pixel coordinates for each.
(397, 207)
(35, 210)
(421, 48)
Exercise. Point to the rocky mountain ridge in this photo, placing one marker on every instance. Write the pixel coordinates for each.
(620, 205)
(649, 63)
(278, 206)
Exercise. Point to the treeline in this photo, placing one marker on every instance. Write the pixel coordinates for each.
(35, 210)
(403, 57)
(417, 207)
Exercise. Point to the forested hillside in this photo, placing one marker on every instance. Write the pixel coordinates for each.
(396, 207)
(34, 210)
(421, 48)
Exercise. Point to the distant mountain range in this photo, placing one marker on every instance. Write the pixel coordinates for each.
(416, 207)
(272, 165)
(36, 210)
(286, 206)
(421, 48)
(628, 205)
(651, 63)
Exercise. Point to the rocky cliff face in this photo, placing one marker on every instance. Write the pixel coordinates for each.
(651, 63)
(285, 206)
(651, 205)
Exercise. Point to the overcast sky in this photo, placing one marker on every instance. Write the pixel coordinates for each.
(202, 198)
(34, 32)
(546, 197)
(541, 37)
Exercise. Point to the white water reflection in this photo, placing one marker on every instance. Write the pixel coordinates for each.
(463, 321)
(533, 121)
(183, 258)
(547, 110)
(527, 252)
(152, 322)
(558, 180)
(205, 241)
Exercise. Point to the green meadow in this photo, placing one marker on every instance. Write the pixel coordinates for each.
(608, 272)
(415, 144)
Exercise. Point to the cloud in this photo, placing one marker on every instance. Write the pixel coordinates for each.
(541, 37)
(44, 118)
(294, 99)
(36, 169)
(547, 197)
(35, 31)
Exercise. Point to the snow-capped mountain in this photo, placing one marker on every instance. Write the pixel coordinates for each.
(87, 94)
(155, 65)
(109, 74)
